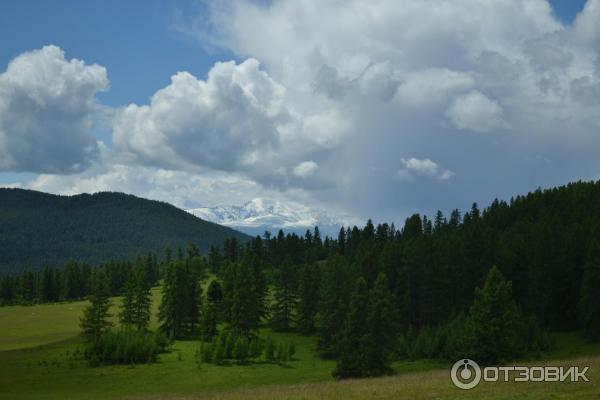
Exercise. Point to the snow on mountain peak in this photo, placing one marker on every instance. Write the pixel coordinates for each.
(260, 214)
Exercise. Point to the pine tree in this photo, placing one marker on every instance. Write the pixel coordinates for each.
(308, 298)
(380, 340)
(126, 315)
(494, 321)
(352, 358)
(285, 298)
(260, 286)
(95, 319)
(179, 308)
(170, 311)
(214, 259)
(142, 302)
(333, 303)
(589, 306)
(243, 296)
(49, 286)
(211, 310)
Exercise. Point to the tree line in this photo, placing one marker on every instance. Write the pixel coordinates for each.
(486, 284)
(73, 281)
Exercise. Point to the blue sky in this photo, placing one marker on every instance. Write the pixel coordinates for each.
(136, 40)
(323, 104)
(566, 10)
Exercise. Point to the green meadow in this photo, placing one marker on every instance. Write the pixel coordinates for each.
(37, 343)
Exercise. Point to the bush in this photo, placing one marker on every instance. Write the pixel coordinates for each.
(243, 350)
(126, 347)
(270, 350)
(240, 349)
(291, 350)
(255, 348)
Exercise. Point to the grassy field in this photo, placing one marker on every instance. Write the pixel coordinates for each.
(29, 326)
(36, 343)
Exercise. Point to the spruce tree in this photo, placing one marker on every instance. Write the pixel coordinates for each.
(494, 321)
(589, 306)
(333, 303)
(352, 359)
(142, 302)
(179, 308)
(127, 313)
(308, 298)
(95, 319)
(211, 311)
(282, 315)
(380, 340)
(169, 311)
(243, 297)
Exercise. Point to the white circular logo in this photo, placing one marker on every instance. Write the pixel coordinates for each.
(465, 374)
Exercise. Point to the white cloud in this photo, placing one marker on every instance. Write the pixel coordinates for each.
(236, 120)
(187, 190)
(305, 169)
(46, 110)
(474, 111)
(225, 123)
(424, 166)
(366, 81)
(349, 85)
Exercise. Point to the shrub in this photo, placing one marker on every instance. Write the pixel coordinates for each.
(126, 347)
(291, 350)
(270, 350)
(240, 349)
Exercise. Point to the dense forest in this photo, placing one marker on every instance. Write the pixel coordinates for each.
(39, 229)
(486, 284)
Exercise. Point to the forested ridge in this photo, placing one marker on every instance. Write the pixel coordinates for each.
(486, 284)
(39, 229)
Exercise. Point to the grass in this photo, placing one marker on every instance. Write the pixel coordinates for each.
(29, 326)
(415, 386)
(36, 341)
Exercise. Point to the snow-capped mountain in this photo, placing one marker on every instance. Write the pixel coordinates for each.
(260, 214)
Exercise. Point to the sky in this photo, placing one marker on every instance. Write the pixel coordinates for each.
(373, 109)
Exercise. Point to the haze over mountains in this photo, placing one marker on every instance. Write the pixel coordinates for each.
(260, 214)
(38, 229)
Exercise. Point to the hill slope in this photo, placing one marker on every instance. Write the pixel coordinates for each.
(39, 228)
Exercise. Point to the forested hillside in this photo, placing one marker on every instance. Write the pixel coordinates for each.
(39, 229)
(487, 284)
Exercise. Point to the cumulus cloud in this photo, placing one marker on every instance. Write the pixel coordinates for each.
(474, 111)
(349, 85)
(425, 166)
(400, 76)
(46, 111)
(236, 120)
(184, 189)
(305, 169)
(223, 123)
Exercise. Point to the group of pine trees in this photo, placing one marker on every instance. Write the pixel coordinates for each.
(73, 281)
(483, 283)
(132, 342)
(228, 347)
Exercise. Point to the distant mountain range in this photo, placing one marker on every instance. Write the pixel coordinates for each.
(38, 229)
(259, 214)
